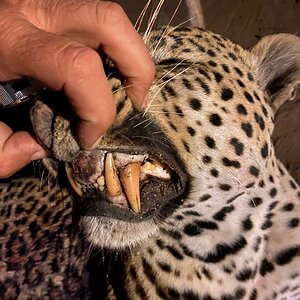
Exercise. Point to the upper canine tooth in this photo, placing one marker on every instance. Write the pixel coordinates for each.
(111, 178)
(130, 178)
(75, 185)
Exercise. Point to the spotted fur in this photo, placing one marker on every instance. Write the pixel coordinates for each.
(235, 233)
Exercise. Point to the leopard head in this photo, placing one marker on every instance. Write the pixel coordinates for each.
(203, 140)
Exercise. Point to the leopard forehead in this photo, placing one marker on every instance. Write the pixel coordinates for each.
(207, 101)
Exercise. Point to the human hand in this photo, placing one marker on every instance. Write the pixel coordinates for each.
(54, 41)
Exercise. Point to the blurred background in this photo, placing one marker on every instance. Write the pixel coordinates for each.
(244, 22)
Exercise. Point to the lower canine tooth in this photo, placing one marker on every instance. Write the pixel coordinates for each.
(130, 178)
(111, 178)
(75, 185)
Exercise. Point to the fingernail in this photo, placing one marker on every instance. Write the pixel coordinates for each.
(93, 146)
(39, 155)
(145, 102)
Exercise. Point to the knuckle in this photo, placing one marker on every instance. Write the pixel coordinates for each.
(82, 61)
(110, 14)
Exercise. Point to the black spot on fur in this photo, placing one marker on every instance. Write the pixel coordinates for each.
(241, 109)
(238, 146)
(195, 104)
(206, 159)
(247, 224)
(204, 73)
(207, 274)
(204, 197)
(247, 127)
(273, 192)
(293, 223)
(240, 83)
(249, 97)
(214, 172)
(120, 106)
(187, 84)
(226, 94)
(212, 63)
(148, 271)
(225, 187)
(244, 275)
(254, 171)
(256, 201)
(288, 207)
(232, 56)
(170, 91)
(238, 71)
(186, 146)
(264, 110)
(260, 121)
(164, 267)
(175, 253)
(210, 142)
(264, 150)
(178, 111)
(174, 294)
(221, 214)
(266, 267)
(173, 126)
(250, 77)
(222, 250)
(191, 131)
(287, 255)
(218, 77)
(225, 68)
(190, 295)
(211, 53)
(231, 163)
(215, 119)
(203, 85)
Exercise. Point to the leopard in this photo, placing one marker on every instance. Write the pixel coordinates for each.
(219, 220)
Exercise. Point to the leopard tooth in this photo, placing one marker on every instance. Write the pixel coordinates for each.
(75, 185)
(112, 181)
(130, 178)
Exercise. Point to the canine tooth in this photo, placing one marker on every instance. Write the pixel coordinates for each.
(75, 185)
(113, 184)
(130, 178)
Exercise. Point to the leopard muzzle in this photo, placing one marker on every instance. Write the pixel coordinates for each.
(131, 185)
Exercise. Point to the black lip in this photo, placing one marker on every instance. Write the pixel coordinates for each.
(155, 196)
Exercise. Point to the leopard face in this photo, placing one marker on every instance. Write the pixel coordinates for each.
(208, 125)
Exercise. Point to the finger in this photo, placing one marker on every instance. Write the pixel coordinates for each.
(103, 23)
(64, 64)
(17, 150)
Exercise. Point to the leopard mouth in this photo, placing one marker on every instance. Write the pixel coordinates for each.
(127, 185)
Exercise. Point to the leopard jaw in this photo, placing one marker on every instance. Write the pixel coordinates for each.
(123, 191)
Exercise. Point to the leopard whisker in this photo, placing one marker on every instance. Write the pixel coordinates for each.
(124, 136)
(166, 74)
(171, 19)
(152, 20)
(141, 16)
(162, 85)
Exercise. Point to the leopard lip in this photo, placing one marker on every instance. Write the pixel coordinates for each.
(160, 179)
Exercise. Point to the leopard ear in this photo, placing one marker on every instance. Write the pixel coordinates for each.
(276, 59)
